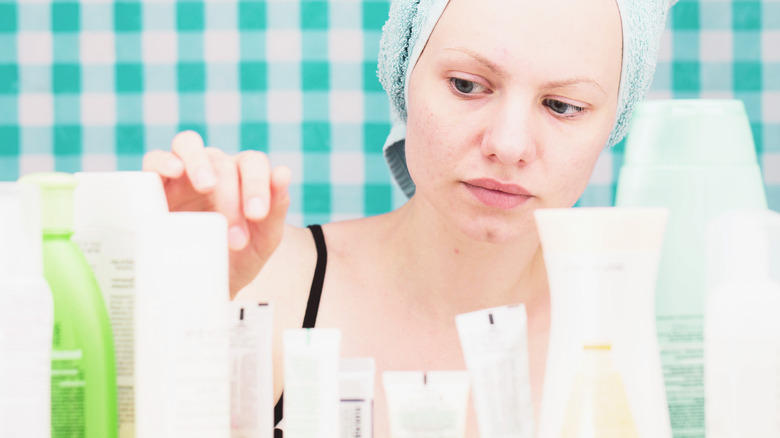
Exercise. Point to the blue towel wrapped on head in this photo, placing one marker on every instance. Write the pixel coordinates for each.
(410, 25)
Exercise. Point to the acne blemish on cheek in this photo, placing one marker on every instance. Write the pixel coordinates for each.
(456, 251)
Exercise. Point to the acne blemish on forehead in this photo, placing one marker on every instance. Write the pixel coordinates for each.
(457, 251)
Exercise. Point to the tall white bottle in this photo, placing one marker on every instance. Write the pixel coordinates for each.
(182, 354)
(26, 317)
(742, 330)
(109, 210)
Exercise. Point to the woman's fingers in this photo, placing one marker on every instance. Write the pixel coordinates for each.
(188, 146)
(227, 197)
(163, 163)
(255, 171)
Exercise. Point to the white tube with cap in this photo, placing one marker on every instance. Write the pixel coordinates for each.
(495, 347)
(311, 383)
(182, 354)
(429, 404)
(252, 379)
(26, 316)
(356, 381)
(109, 210)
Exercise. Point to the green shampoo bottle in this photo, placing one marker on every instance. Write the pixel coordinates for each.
(83, 391)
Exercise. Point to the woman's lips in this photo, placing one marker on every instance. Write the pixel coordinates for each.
(493, 193)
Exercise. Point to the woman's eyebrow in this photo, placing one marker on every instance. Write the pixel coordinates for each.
(563, 83)
(490, 65)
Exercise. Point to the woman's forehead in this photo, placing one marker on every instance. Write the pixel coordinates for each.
(556, 33)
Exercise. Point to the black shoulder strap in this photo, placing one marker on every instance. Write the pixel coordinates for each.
(315, 293)
(313, 305)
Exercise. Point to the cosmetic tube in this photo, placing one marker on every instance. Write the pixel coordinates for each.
(26, 316)
(602, 265)
(426, 405)
(252, 384)
(742, 330)
(495, 346)
(356, 387)
(109, 210)
(311, 383)
(181, 357)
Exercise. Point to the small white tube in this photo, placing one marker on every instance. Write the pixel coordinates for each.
(252, 377)
(311, 383)
(495, 346)
(426, 405)
(356, 381)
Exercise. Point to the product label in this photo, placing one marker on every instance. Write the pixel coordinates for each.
(680, 340)
(201, 399)
(356, 418)
(111, 255)
(67, 394)
(244, 379)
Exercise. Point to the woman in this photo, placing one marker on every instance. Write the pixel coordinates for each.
(507, 109)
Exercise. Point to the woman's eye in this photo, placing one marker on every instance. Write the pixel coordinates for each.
(464, 86)
(563, 108)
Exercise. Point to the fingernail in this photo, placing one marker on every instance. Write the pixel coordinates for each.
(173, 166)
(256, 208)
(205, 179)
(236, 237)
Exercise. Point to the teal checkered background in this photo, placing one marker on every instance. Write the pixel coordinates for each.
(92, 85)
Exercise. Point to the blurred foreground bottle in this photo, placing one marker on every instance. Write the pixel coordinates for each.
(742, 330)
(83, 382)
(26, 316)
(697, 158)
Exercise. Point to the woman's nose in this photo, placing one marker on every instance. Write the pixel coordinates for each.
(509, 135)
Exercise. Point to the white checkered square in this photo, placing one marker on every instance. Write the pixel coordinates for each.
(771, 168)
(98, 109)
(346, 168)
(159, 47)
(34, 48)
(161, 108)
(346, 106)
(285, 106)
(716, 46)
(98, 162)
(31, 163)
(36, 109)
(283, 45)
(770, 107)
(603, 173)
(221, 46)
(222, 108)
(665, 51)
(345, 45)
(770, 45)
(97, 48)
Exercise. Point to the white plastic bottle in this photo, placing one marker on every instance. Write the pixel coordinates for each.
(182, 355)
(26, 317)
(109, 210)
(742, 330)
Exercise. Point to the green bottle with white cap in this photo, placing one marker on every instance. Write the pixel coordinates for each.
(697, 158)
(83, 392)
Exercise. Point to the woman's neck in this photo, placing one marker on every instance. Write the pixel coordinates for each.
(457, 273)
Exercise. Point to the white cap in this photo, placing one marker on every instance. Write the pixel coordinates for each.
(356, 378)
(743, 246)
(117, 199)
(21, 238)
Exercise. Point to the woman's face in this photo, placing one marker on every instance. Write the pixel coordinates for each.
(509, 106)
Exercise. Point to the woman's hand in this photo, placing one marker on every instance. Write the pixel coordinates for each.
(252, 196)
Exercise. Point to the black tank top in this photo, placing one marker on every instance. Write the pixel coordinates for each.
(312, 306)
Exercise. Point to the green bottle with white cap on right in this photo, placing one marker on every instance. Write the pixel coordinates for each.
(697, 158)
